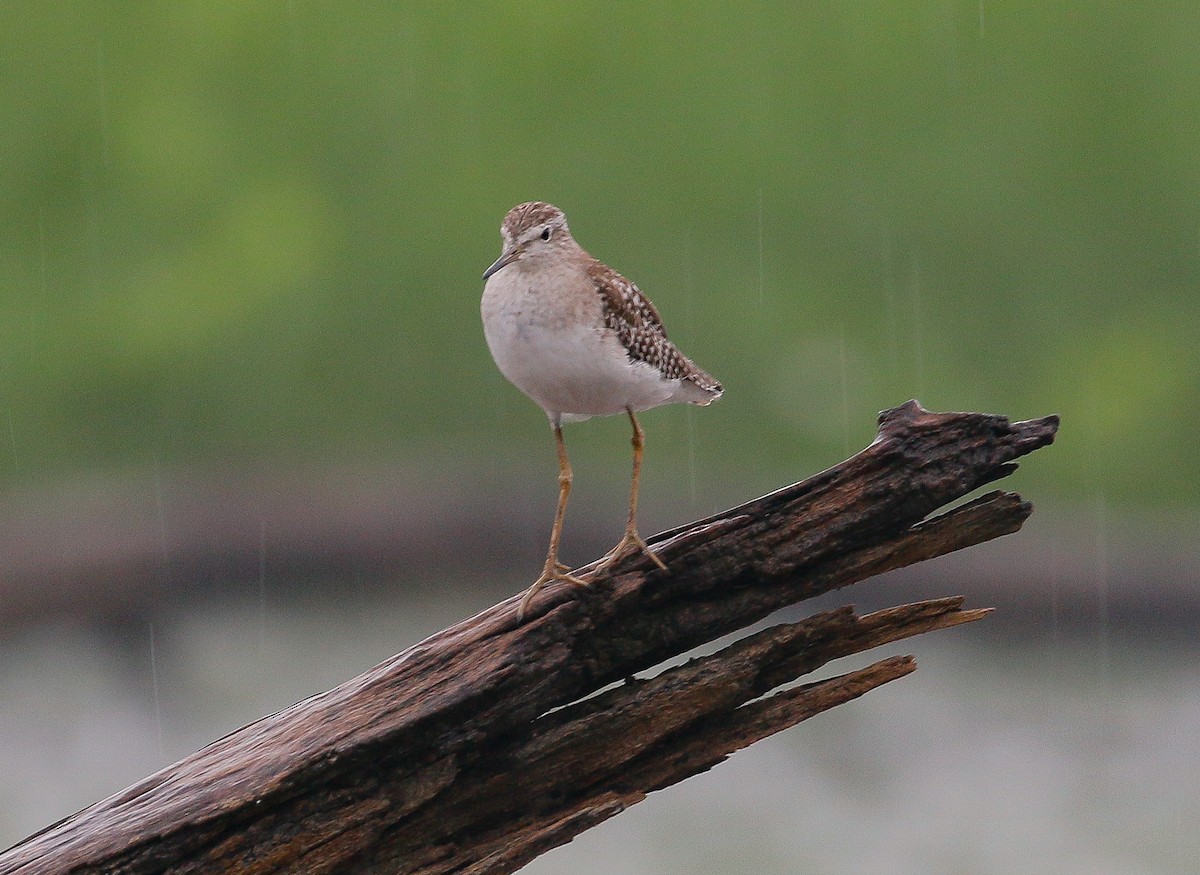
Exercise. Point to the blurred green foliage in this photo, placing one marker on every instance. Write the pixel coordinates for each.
(248, 232)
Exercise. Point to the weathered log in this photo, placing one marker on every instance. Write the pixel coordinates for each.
(475, 750)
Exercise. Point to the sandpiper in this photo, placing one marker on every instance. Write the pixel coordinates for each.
(581, 341)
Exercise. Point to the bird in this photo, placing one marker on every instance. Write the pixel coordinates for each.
(580, 340)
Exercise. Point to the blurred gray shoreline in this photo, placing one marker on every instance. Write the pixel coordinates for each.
(137, 545)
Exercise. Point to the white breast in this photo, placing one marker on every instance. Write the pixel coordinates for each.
(547, 335)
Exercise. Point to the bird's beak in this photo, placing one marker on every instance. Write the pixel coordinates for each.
(507, 257)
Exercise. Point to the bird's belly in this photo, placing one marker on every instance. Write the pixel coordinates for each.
(574, 371)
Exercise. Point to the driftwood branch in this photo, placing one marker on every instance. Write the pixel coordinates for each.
(476, 750)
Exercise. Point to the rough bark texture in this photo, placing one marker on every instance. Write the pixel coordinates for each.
(475, 751)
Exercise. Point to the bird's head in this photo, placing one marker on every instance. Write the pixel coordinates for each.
(531, 230)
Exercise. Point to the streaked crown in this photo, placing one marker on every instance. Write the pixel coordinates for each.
(524, 217)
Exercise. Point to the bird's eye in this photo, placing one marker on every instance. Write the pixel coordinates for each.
(545, 233)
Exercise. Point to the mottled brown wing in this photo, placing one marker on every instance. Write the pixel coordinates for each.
(637, 324)
(624, 299)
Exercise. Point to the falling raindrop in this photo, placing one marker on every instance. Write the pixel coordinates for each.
(262, 586)
(102, 89)
(981, 34)
(43, 247)
(892, 308)
(293, 31)
(761, 283)
(90, 200)
(6, 394)
(918, 341)
(12, 443)
(687, 314)
(1056, 648)
(694, 491)
(845, 386)
(43, 261)
(161, 515)
(154, 688)
(408, 54)
(1102, 585)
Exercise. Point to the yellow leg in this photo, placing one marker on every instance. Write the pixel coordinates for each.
(631, 540)
(553, 569)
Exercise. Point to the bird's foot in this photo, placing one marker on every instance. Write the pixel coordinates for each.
(630, 542)
(554, 570)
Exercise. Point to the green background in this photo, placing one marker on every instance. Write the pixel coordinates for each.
(251, 234)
